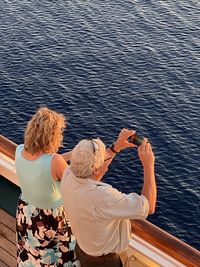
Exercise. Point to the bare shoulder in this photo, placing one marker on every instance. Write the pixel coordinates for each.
(58, 166)
(58, 161)
(57, 158)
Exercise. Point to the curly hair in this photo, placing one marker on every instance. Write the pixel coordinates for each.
(85, 157)
(44, 132)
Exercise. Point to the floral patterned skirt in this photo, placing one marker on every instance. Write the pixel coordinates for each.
(44, 237)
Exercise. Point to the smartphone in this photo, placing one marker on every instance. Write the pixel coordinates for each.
(136, 140)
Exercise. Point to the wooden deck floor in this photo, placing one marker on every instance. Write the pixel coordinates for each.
(7, 240)
(8, 244)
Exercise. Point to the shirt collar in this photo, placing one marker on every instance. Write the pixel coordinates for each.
(83, 180)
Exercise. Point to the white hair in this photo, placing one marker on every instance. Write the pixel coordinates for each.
(87, 155)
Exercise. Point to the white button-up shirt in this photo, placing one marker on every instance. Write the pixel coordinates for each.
(99, 214)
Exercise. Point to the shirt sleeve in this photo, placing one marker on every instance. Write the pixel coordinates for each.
(116, 205)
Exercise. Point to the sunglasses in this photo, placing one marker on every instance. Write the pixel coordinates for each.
(96, 147)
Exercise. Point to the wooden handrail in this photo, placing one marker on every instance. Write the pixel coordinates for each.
(7, 147)
(147, 231)
(166, 242)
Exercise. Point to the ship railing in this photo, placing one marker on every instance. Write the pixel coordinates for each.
(144, 234)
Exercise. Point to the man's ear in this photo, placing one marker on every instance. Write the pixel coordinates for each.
(95, 171)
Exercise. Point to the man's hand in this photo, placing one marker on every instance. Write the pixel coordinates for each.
(122, 140)
(146, 154)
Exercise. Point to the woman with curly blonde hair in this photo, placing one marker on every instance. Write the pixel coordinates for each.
(44, 236)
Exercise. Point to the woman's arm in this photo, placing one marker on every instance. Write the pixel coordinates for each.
(58, 166)
(67, 155)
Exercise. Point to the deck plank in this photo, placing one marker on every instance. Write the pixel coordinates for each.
(7, 245)
(2, 264)
(7, 220)
(8, 250)
(7, 233)
(7, 258)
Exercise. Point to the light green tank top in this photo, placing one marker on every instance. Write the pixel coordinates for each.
(37, 185)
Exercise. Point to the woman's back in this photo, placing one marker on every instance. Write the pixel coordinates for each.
(36, 182)
(43, 232)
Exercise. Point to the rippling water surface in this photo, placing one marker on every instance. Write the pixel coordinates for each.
(108, 65)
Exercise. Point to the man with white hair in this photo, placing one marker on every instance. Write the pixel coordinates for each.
(98, 213)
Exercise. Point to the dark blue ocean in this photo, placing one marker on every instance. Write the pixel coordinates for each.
(108, 65)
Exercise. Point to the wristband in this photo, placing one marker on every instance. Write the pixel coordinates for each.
(112, 148)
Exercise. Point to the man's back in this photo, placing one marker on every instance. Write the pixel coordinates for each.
(99, 214)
